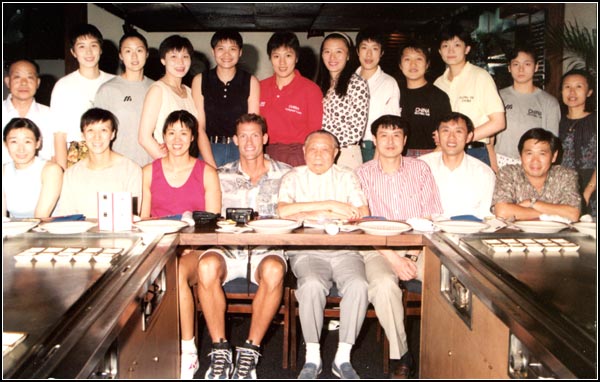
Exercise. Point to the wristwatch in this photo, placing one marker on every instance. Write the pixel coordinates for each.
(533, 200)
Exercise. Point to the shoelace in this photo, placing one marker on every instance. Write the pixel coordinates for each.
(219, 358)
(246, 361)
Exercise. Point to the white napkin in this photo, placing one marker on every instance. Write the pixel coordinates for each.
(554, 218)
(188, 217)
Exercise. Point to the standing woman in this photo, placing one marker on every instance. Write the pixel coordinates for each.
(577, 131)
(30, 185)
(124, 96)
(169, 94)
(345, 97)
(224, 93)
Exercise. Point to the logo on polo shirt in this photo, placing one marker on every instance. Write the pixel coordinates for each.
(293, 109)
(466, 99)
(534, 113)
(127, 99)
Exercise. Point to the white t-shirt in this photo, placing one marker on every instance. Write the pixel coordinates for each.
(40, 115)
(472, 93)
(466, 190)
(384, 98)
(72, 96)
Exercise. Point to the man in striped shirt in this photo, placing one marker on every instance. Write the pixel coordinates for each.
(397, 188)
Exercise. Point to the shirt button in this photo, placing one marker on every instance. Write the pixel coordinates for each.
(225, 96)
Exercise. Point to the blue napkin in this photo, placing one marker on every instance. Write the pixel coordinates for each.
(470, 218)
(69, 218)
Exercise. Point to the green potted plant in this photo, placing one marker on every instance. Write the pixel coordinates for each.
(578, 44)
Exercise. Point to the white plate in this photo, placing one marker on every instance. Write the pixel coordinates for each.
(160, 226)
(539, 226)
(66, 228)
(586, 228)
(383, 228)
(422, 225)
(15, 228)
(273, 226)
(460, 226)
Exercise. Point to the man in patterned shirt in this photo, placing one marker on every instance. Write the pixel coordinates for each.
(397, 188)
(536, 186)
(252, 181)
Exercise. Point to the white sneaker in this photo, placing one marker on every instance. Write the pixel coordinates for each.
(189, 365)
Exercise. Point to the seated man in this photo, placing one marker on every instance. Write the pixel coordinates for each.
(252, 181)
(465, 184)
(536, 186)
(397, 188)
(319, 190)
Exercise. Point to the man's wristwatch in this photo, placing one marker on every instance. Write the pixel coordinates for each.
(533, 200)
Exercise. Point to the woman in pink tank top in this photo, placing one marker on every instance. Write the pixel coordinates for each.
(180, 181)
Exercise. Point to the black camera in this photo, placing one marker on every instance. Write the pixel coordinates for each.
(239, 215)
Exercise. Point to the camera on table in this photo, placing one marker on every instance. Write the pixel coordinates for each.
(239, 215)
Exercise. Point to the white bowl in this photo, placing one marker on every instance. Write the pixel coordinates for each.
(384, 227)
(586, 228)
(273, 226)
(67, 227)
(540, 226)
(461, 226)
(160, 226)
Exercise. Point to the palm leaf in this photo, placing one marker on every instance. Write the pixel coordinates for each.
(578, 44)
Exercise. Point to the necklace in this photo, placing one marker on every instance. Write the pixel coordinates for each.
(573, 125)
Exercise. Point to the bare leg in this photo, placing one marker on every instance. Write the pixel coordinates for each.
(269, 275)
(211, 273)
(187, 276)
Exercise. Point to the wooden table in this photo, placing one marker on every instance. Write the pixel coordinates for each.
(205, 235)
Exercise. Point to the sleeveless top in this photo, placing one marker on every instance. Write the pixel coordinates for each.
(22, 188)
(224, 102)
(170, 103)
(168, 200)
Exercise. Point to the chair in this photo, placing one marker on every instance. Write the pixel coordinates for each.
(411, 301)
(239, 294)
(331, 311)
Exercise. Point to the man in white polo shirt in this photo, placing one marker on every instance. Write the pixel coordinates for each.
(466, 184)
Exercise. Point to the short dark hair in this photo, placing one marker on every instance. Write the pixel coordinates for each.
(336, 142)
(175, 42)
(95, 115)
(283, 39)
(185, 118)
(417, 46)
(133, 33)
(21, 123)
(82, 30)
(251, 118)
(455, 116)
(372, 34)
(227, 34)
(540, 135)
(9, 65)
(390, 121)
(521, 48)
(455, 30)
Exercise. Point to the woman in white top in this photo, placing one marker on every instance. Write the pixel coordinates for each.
(30, 185)
(169, 94)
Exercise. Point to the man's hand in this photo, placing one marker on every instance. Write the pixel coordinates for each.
(404, 268)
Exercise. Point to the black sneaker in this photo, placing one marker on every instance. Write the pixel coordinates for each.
(245, 361)
(220, 361)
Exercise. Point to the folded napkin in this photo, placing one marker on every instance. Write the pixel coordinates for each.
(470, 218)
(68, 218)
(554, 218)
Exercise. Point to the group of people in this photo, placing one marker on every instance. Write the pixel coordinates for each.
(353, 144)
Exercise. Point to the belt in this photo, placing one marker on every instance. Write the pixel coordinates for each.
(220, 139)
(475, 145)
